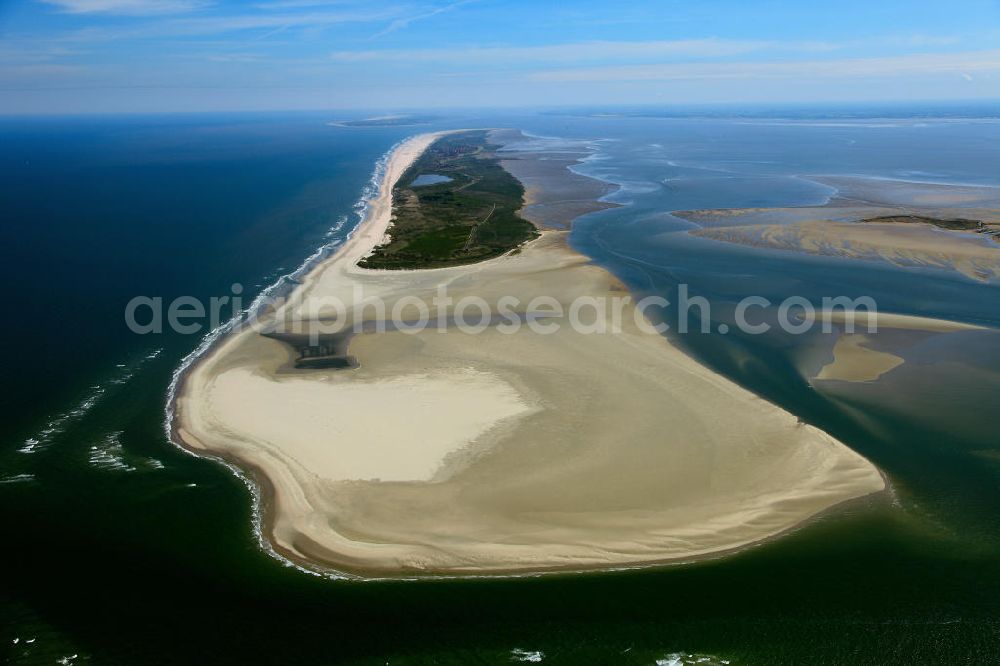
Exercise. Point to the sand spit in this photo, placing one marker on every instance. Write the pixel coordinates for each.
(450, 453)
(863, 320)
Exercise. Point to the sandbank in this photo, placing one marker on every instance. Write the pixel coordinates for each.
(855, 356)
(974, 255)
(444, 452)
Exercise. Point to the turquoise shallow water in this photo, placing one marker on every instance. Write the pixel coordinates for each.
(121, 549)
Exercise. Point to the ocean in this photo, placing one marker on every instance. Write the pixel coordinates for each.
(123, 549)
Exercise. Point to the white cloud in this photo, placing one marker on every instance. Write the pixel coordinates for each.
(223, 24)
(28, 51)
(216, 25)
(128, 7)
(920, 64)
(36, 75)
(637, 52)
(584, 51)
(401, 23)
(297, 4)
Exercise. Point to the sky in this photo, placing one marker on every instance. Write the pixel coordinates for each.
(101, 56)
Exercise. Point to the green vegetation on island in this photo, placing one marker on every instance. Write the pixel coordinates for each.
(990, 229)
(471, 216)
(953, 224)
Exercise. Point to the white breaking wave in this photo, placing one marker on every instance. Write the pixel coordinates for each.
(110, 454)
(59, 423)
(338, 227)
(360, 210)
(683, 659)
(533, 656)
(17, 478)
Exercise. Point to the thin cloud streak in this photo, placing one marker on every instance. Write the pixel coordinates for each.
(128, 7)
(224, 25)
(218, 25)
(924, 63)
(401, 23)
(595, 50)
(299, 4)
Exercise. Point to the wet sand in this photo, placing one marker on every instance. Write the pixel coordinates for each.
(554, 195)
(450, 453)
(840, 229)
(854, 361)
(870, 344)
(888, 192)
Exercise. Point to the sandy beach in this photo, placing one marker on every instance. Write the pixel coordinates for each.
(444, 452)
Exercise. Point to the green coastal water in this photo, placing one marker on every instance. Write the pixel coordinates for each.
(122, 549)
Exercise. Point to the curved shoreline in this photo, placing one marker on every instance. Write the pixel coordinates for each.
(217, 336)
(260, 487)
(291, 281)
(342, 264)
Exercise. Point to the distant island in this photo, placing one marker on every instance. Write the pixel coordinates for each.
(394, 120)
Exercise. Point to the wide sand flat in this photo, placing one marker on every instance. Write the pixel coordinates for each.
(973, 255)
(341, 430)
(890, 192)
(446, 452)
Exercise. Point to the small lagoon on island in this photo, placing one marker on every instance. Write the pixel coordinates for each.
(425, 179)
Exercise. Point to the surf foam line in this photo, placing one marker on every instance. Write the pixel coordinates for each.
(282, 286)
(284, 283)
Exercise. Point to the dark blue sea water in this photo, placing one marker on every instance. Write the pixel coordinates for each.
(122, 549)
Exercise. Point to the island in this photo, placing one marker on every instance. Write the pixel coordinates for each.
(454, 205)
(389, 120)
(443, 452)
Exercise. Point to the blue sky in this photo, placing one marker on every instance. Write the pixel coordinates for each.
(73, 56)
